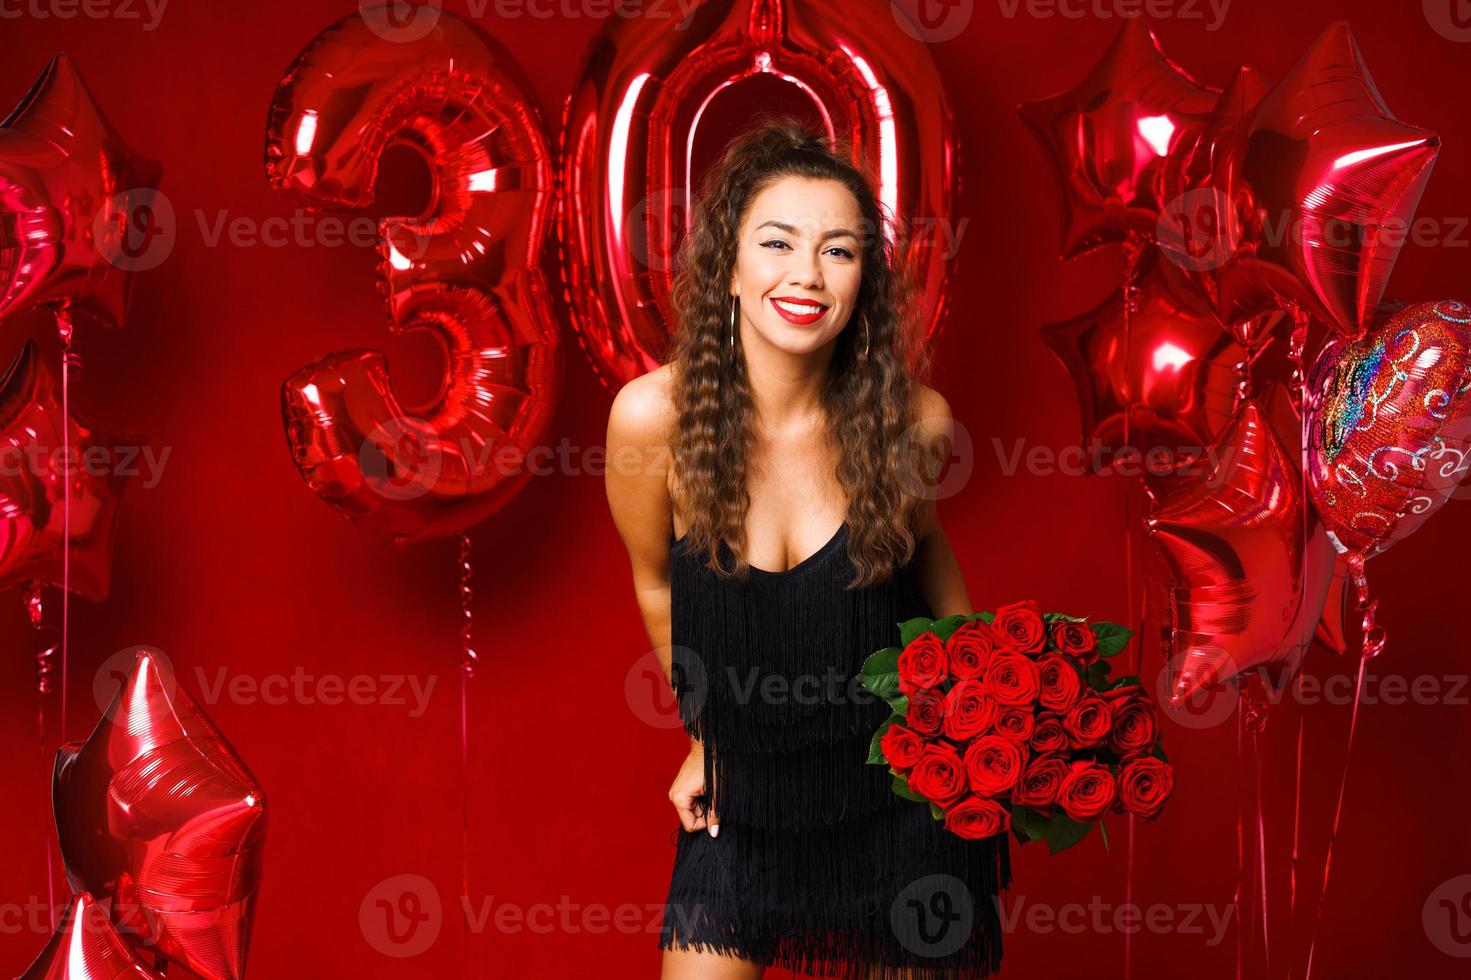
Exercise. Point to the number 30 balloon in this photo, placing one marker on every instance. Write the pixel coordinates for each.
(467, 271)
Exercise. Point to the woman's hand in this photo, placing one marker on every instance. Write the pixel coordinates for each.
(689, 784)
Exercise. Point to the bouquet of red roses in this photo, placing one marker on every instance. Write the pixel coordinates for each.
(1010, 720)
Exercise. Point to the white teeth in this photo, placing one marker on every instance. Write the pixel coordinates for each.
(798, 309)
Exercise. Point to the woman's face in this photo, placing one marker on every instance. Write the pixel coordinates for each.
(799, 261)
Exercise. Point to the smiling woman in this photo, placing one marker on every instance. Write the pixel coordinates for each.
(783, 538)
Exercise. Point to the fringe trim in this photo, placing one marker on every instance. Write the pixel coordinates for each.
(771, 664)
(836, 902)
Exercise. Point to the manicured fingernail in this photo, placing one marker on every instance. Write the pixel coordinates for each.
(715, 830)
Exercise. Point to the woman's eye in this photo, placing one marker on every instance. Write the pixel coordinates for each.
(839, 249)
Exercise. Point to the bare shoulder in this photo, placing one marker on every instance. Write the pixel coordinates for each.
(643, 409)
(637, 472)
(933, 414)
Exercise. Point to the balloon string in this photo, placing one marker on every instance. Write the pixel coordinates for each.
(1242, 920)
(468, 659)
(1261, 847)
(1296, 821)
(1366, 652)
(69, 360)
(36, 613)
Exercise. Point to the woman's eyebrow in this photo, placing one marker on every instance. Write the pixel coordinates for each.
(790, 230)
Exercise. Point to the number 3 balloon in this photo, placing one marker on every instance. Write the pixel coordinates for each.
(467, 271)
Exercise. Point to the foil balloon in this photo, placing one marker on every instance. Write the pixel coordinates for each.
(160, 819)
(85, 946)
(1248, 563)
(1199, 227)
(467, 271)
(1318, 188)
(1389, 426)
(1156, 385)
(631, 125)
(78, 207)
(1108, 137)
(35, 473)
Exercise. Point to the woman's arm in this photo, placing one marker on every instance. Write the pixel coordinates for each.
(636, 482)
(937, 573)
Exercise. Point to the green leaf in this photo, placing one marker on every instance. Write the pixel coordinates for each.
(900, 706)
(1054, 617)
(875, 747)
(944, 627)
(1128, 680)
(986, 617)
(901, 787)
(1097, 675)
(1111, 637)
(1103, 829)
(937, 811)
(1063, 832)
(1030, 824)
(1159, 752)
(911, 630)
(880, 672)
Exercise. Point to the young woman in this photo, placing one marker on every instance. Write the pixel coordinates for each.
(782, 537)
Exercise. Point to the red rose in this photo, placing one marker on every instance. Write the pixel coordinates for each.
(1144, 785)
(969, 710)
(922, 664)
(901, 746)
(969, 650)
(1040, 782)
(1016, 723)
(1019, 627)
(1048, 735)
(926, 712)
(1135, 722)
(1013, 679)
(1087, 723)
(976, 817)
(1087, 791)
(939, 775)
(1061, 683)
(1076, 640)
(993, 764)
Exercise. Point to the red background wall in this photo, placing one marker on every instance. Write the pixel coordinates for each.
(229, 563)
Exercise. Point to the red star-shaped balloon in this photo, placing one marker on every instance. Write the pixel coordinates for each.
(72, 194)
(1324, 182)
(1108, 136)
(86, 947)
(34, 473)
(1249, 567)
(157, 815)
(1158, 381)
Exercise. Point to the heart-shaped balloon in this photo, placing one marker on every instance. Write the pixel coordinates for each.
(1389, 420)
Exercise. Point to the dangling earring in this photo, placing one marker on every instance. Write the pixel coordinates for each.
(735, 302)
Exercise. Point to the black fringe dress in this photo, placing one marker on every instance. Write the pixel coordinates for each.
(819, 867)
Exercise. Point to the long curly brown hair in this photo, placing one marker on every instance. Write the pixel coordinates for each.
(869, 403)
